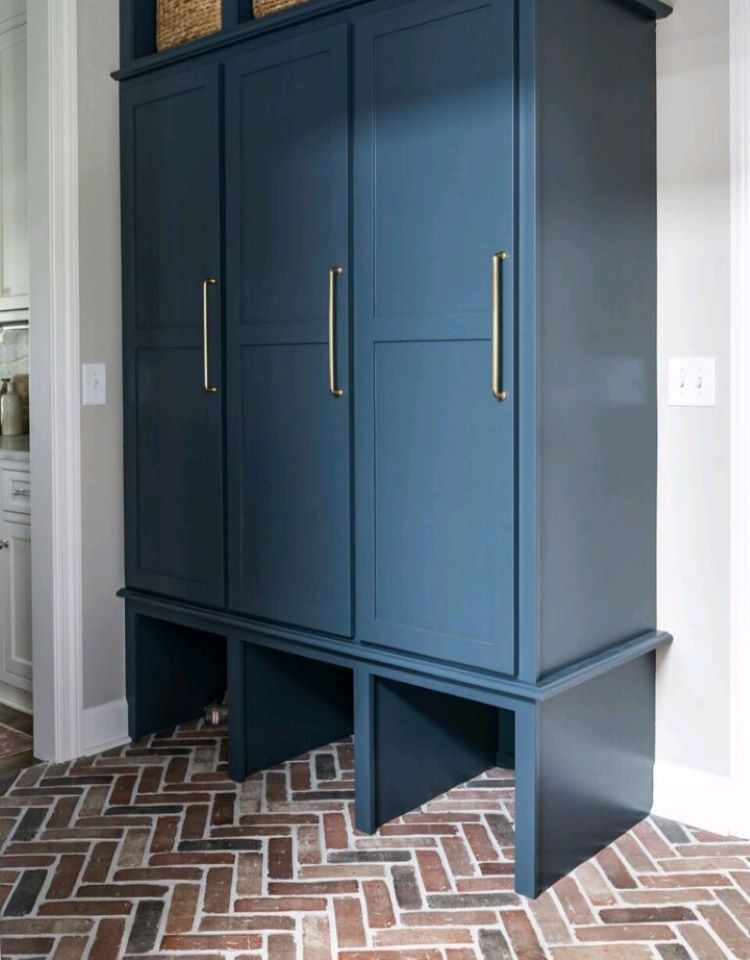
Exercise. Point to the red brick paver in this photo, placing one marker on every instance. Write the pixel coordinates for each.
(148, 851)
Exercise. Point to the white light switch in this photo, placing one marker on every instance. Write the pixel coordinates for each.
(94, 384)
(692, 382)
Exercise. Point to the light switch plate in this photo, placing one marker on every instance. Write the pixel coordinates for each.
(94, 384)
(692, 382)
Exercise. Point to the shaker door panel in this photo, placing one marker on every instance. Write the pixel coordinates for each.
(289, 471)
(174, 427)
(435, 450)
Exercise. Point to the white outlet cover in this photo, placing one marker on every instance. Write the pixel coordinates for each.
(94, 384)
(692, 382)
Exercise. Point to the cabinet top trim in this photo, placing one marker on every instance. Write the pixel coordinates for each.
(656, 9)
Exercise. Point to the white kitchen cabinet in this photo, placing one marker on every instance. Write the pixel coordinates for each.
(15, 585)
(14, 244)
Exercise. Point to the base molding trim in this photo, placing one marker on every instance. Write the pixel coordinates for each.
(104, 726)
(693, 797)
(15, 698)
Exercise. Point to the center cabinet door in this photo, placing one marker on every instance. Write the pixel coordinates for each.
(289, 516)
(433, 204)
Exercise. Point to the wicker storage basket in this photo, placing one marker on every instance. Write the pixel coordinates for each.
(178, 21)
(263, 7)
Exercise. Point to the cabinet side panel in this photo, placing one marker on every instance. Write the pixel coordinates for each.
(596, 326)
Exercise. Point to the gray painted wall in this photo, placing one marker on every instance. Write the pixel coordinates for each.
(101, 427)
(694, 225)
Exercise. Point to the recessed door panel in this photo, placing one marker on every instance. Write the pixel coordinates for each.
(177, 483)
(15, 605)
(433, 205)
(172, 175)
(292, 460)
(435, 128)
(437, 528)
(289, 477)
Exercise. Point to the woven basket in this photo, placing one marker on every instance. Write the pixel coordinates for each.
(178, 21)
(262, 8)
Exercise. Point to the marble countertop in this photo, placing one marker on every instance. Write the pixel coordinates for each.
(14, 448)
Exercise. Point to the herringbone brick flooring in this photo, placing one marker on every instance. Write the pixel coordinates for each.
(149, 851)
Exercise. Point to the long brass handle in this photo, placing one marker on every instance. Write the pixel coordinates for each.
(333, 274)
(208, 282)
(497, 326)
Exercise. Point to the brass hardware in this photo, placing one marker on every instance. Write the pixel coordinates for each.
(208, 282)
(497, 326)
(333, 274)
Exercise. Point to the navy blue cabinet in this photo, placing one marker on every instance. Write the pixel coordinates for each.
(390, 314)
(287, 123)
(172, 243)
(433, 205)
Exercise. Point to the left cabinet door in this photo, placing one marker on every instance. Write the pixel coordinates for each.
(172, 303)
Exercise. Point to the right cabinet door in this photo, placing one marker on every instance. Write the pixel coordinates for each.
(433, 205)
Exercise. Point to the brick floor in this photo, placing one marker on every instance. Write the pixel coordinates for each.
(149, 851)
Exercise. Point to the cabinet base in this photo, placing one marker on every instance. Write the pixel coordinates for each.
(583, 750)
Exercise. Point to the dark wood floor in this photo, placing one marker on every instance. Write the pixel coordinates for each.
(9, 766)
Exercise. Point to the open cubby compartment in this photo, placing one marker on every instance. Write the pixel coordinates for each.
(282, 705)
(138, 25)
(174, 671)
(413, 743)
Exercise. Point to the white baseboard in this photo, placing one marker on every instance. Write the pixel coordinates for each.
(693, 797)
(104, 727)
(16, 699)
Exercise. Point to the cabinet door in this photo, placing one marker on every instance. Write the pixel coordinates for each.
(14, 242)
(433, 203)
(171, 249)
(15, 604)
(289, 524)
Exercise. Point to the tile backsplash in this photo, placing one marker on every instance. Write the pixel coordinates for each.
(14, 352)
(14, 363)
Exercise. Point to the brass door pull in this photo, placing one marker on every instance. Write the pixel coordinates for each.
(497, 326)
(333, 274)
(208, 282)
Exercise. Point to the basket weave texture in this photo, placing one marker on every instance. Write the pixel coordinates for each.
(178, 21)
(263, 7)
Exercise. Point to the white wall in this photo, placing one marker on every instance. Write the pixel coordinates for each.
(693, 536)
(100, 337)
(40, 346)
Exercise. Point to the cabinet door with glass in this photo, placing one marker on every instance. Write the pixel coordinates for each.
(14, 243)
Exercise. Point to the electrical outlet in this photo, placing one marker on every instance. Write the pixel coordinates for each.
(94, 384)
(692, 382)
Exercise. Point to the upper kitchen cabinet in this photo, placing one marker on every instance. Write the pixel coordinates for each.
(14, 244)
